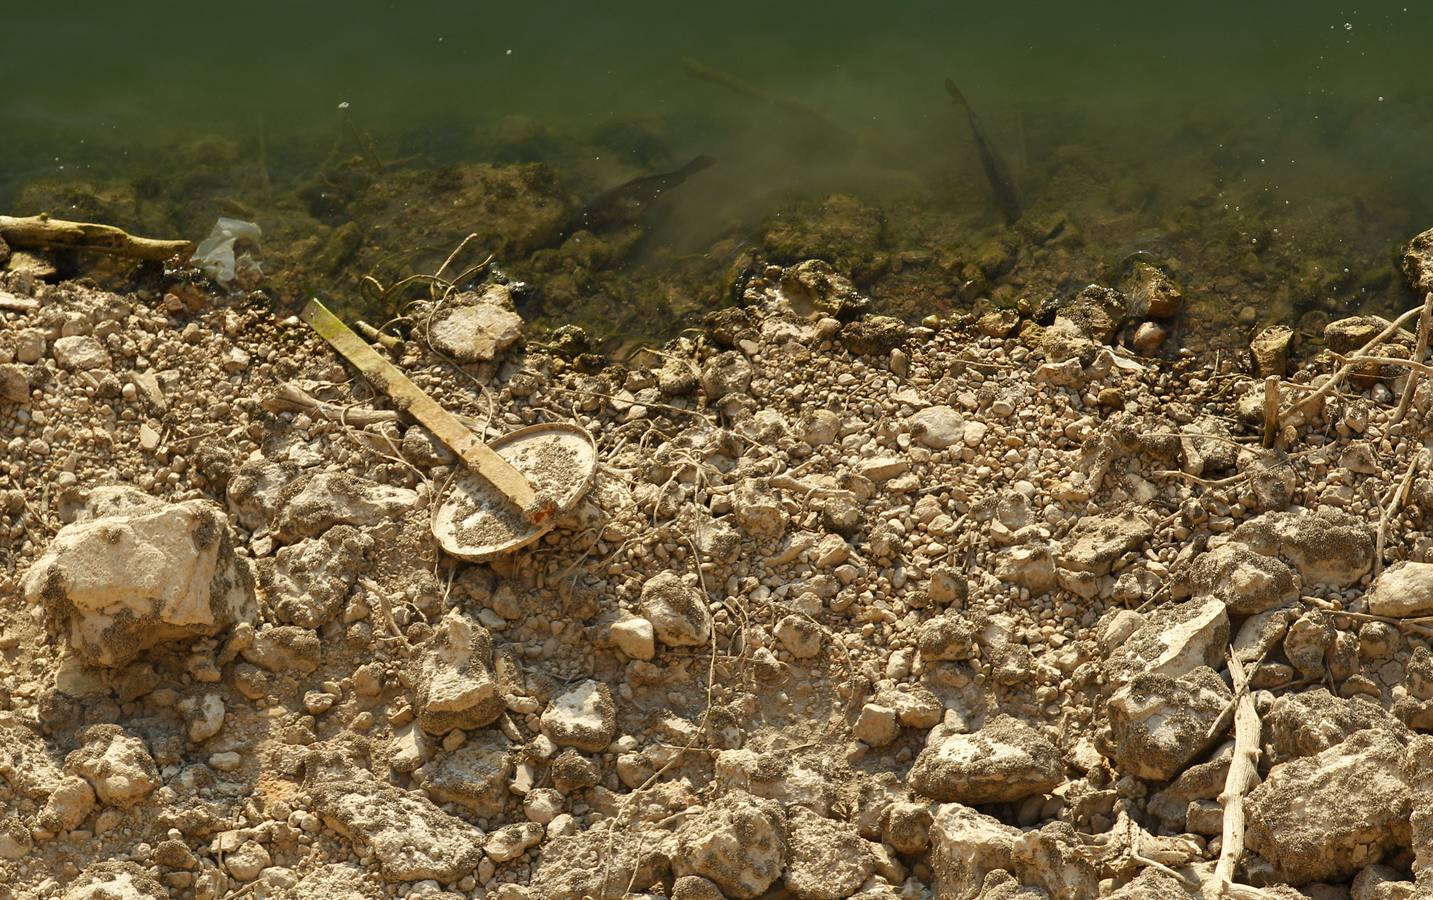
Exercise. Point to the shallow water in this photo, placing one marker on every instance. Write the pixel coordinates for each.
(1280, 153)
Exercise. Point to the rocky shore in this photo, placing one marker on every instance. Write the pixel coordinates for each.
(853, 608)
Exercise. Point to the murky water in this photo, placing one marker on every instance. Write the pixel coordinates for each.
(1273, 155)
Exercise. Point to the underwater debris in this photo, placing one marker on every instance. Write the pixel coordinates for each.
(996, 172)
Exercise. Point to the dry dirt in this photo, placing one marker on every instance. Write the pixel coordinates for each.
(851, 609)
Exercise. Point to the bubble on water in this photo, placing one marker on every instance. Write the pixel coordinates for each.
(343, 104)
(509, 53)
(1380, 98)
(1348, 26)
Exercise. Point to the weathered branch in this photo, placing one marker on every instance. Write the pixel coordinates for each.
(44, 233)
(1425, 322)
(1337, 378)
(1385, 514)
(1243, 769)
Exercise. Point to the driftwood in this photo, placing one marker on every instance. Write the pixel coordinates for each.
(44, 233)
(1355, 362)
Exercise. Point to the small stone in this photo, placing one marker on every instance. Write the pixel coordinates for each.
(634, 636)
(677, 611)
(81, 352)
(937, 427)
(1403, 590)
(247, 861)
(800, 636)
(511, 841)
(1270, 350)
(876, 726)
(582, 717)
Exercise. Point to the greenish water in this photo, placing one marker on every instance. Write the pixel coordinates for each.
(1274, 154)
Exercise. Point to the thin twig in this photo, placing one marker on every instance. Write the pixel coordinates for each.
(1386, 512)
(1337, 378)
(1425, 321)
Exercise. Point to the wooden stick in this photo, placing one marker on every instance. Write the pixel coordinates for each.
(44, 233)
(1425, 321)
(1271, 410)
(289, 397)
(411, 399)
(1243, 769)
(1337, 378)
(1386, 513)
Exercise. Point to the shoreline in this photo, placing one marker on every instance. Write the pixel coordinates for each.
(890, 609)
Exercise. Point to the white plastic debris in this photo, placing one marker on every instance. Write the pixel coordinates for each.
(216, 256)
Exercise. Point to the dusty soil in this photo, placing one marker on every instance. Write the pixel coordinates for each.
(852, 608)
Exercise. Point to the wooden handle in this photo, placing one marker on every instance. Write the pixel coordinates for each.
(409, 398)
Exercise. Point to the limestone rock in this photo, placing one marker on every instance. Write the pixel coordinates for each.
(477, 327)
(1324, 817)
(1097, 541)
(81, 352)
(1055, 860)
(14, 383)
(965, 847)
(284, 649)
(1309, 722)
(255, 491)
(116, 765)
(511, 841)
(455, 686)
(635, 637)
(600, 865)
(1160, 724)
(757, 510)
(475, 775)
(1270, 350)
(725, 374)
(110, 880)
(410, 838)
(1004, 761)
(69, 804)
(938, 427)
(583, 717)
(814, 286)
(825, 859)
(1031, 566)
(738, 842)
(874, 335)
(1173, 641)
(307, 583)
(799, 635)
(1382, 883)
(951, 636)
(313, 505)
(1417, 262)
(118, 585)
(1152, 293)
(1403, 590)
(1326, 547)
(1247, 582)
(677, 611)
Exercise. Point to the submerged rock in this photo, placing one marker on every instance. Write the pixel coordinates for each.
(118, 585)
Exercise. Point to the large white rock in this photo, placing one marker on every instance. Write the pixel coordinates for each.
(119, 584)
(739, 842)
(1403, 589)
